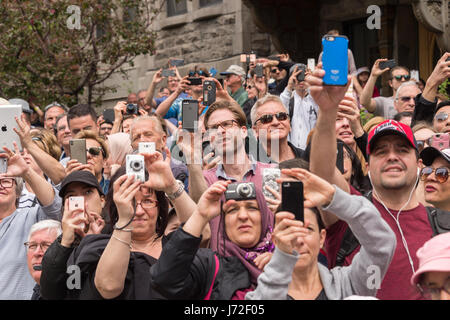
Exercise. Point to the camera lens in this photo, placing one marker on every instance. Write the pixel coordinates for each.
(136, 165)
(244, 190)
(209, 87)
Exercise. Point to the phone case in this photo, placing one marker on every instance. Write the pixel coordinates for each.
(440, 141)
(77, 203)
(269, 179)
(168, 73)
(78, 150)
(189, 115)
(335, 60)
(387, 64)
(209, 92)
(259, 70)
(292, 198)
(194, 81)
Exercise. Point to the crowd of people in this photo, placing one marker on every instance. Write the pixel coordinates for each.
(204, 223)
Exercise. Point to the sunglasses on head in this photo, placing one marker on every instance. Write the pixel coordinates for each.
(194, 72)
(441, 173)
(399, 78)
(268, 118)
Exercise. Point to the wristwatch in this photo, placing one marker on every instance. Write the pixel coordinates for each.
(177, 193)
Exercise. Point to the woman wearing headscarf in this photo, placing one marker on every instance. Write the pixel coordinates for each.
(184, 271)
(119, 146)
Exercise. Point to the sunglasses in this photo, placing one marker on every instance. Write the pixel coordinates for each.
(198, 72)
(268, 118)
(441, 173)
(95, 151)
(441, 116)
(421, 144)
(399, 78)
(275, 70)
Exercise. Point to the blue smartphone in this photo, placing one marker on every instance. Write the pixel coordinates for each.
(335, 60)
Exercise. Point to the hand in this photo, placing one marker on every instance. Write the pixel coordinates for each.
(23, 131)
(376, 71)
(288, 232)
(190, 143)
(327, 97)
(316, 191)
(260, 85)
(208, 205)
(119, 109)
(72, 222)
(207, 165)
(263, 259)
(142, 112)
(348, 109)
(125, 188)
(96, 223)
(221, 92)
(293, 78)
(17, 166)
(440, 72)
(183, 85)
(273, 204)
(160, 176)
(157, 77)
(74, 165)
(284, 57)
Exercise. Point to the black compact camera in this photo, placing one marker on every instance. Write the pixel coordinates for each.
(132, 108)
(240, 191)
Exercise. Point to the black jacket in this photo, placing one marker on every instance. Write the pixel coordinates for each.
(183, 271)
(54, 278)
(423, 111)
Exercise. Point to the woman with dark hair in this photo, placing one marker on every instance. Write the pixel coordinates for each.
(184, 271)
(353, 172)
(139, 215)
(294, 273)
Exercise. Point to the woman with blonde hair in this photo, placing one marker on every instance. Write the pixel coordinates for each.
(46, 140)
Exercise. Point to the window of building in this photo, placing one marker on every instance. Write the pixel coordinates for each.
(207, 3)
(176, 7)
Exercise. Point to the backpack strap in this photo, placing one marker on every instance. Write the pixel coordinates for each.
(439, 220)
(208, 295)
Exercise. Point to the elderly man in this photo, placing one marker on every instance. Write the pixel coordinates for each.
(271, 125)
(51, 112)
(42, 235)
(405, 97)
(234, 80)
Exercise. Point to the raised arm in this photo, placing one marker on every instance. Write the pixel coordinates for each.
(157, 78)
(164, 106)
(366, 99)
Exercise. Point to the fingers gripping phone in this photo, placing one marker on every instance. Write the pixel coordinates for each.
(292, 198)
(335, 60)
(189, 115)
(78, 150)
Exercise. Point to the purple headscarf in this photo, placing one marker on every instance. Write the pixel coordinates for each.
(224, 247)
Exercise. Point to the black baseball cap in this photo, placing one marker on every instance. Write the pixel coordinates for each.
(85, 177)
(429, 154)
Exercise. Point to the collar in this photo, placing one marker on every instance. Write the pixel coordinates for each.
(220, 172)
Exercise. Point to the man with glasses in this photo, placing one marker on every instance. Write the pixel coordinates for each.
(383, 106)
(96, 155)
(41, 236)
(271, 125)
(435, 177)
(234, 81)
(405, 97)
(16, 221)
(51, 112)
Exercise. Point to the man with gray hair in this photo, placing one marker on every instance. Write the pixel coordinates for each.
(404, 97)
(271, 125)
(234, 80)
(42, 234)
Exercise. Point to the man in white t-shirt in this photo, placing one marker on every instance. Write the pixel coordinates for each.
(383, 106)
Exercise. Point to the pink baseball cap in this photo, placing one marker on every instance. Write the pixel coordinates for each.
(433, 256)
(390, 127)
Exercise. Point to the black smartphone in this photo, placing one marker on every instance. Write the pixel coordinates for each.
(168, 73)
(220, 81)
(340, 156)
(276, 58)
(209, 92)
(189, 114)
(108, 115)
(259, 70)
(301, 75)
(387, 64)
(292, 198)
(194, 81)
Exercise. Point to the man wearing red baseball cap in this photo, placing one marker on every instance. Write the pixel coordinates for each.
(394, 171)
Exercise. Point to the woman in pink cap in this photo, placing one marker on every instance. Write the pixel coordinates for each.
(433, 276)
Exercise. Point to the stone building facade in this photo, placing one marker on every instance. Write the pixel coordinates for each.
(212, 33)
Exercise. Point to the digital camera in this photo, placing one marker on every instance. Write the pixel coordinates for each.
(240, 191)
(132, 108)
(136, 166)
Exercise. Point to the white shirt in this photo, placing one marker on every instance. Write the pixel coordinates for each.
(303, 119)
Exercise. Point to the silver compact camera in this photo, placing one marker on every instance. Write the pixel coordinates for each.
(240, 191)
(136, 166)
